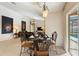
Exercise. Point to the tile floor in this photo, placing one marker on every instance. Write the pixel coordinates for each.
(12, 48)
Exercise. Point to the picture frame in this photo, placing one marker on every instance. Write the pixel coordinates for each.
(7, 25)
(23, 26)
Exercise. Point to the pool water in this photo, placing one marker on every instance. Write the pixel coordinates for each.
(74, 38)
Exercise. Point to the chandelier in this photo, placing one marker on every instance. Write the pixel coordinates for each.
(45, 10)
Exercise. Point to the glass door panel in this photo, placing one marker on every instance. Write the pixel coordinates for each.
(73, 34)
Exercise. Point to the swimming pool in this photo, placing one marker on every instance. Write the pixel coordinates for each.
(74, 38)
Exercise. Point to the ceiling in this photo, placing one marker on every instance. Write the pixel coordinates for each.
(33, 9)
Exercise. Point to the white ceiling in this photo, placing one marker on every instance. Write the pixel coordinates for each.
(33, 9)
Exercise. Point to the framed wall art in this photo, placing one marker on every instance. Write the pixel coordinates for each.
(23, 26)
(7, 25)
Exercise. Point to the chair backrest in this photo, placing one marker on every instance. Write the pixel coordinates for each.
(36, 45)
(23, 36)
(54, 36)
(47, 45)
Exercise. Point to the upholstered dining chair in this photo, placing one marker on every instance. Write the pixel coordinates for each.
(41, 51)
(53, 40)
(25, 44)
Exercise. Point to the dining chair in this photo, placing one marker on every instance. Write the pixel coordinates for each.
(53, 41)
(25, 45)
(41, 51)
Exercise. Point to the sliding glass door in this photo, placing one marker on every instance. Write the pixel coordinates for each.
(73, 34)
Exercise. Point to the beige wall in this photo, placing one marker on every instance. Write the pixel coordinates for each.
(56, 22)
(17, 18)
(39, 23)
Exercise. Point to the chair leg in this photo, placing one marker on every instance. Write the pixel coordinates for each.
(24, 49)
(21, 51)
(54, 46)
(56, 49)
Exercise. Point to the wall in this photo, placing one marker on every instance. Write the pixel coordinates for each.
(69, 7)
(39, 23)
(55, 22)
(17, 18)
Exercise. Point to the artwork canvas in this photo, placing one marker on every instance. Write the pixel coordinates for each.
(23, 26)
(7, 25)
